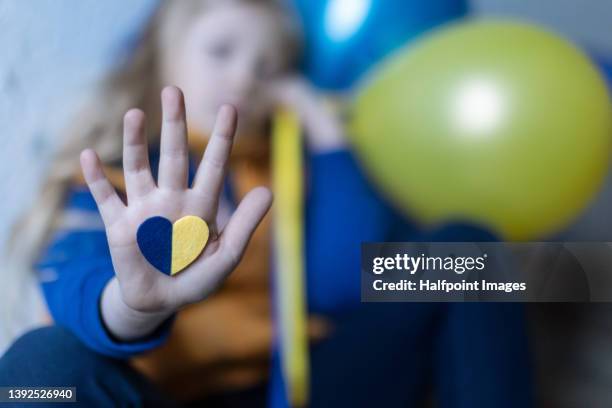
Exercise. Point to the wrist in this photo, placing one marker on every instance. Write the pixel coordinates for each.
(123, 322)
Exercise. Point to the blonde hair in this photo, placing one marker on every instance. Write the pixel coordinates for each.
(136, 83)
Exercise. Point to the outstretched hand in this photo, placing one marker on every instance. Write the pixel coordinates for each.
(139, 297)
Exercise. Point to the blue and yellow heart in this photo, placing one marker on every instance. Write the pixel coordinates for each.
(172, 247)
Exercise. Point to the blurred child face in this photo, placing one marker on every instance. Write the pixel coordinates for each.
(227, 55)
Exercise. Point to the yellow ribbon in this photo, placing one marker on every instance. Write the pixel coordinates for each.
(289, 254)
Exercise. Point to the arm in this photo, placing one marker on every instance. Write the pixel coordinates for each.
(75, 269)
(343, 210)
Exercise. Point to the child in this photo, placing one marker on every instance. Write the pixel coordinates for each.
(183, 339)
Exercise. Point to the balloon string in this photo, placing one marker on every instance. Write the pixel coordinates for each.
(288, 255)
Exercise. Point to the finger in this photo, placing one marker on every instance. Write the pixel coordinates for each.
(208, 273)
(209, 176)
(242, 224)
(136, 167)
(105, 195)
(173, 160)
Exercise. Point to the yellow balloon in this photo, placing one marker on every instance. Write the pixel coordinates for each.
(496, 122)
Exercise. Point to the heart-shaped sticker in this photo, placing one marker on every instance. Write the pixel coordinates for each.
(171, 248)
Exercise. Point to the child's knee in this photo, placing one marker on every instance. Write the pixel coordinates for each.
(54, 357)
(47, 356)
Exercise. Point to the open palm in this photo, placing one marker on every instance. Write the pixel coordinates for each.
(140, 286)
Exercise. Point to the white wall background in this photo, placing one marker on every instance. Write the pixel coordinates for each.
(51, 52)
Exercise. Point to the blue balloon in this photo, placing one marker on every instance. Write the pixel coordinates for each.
(344, 38)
